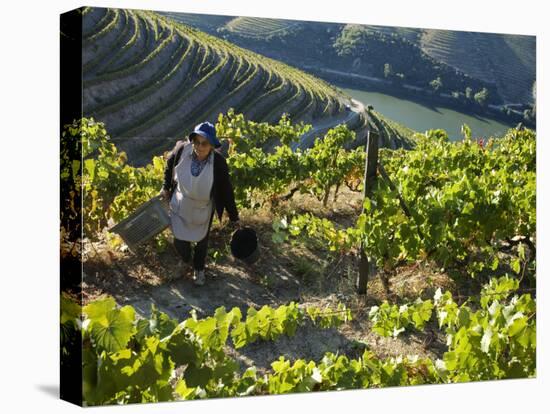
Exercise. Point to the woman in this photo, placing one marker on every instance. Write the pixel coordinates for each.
(197, 183)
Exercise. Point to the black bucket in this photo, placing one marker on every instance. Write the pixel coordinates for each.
(244, 245)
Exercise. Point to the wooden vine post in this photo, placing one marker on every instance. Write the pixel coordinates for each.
(371, 164)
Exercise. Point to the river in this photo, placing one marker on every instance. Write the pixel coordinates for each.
(420, 116)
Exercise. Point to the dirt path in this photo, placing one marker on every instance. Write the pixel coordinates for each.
(285, 272)
(307, 140)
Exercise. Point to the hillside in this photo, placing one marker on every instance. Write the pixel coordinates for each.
(507, 60)
(396, 59)
(205, 23)
(502, 63)
(260, 28)
(150, 80)
(408, 33)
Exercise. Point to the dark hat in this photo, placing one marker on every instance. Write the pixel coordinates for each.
(208, 131)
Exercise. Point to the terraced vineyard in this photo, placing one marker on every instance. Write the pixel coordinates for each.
(205, 23)
(261, 28)
(390, 132)
(150, 79)
(507, 60)
(505, 64)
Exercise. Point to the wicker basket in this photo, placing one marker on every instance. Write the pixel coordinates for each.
(143, 224)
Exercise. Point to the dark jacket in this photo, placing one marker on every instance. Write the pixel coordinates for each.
(222, 190)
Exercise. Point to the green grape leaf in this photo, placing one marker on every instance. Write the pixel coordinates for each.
(517, 326)
(494, 264)
(183, 391)
(205, 329)
(99, 308)
(197, 376)
(238, 335)
(114, 329)
(516, 266)
(181, 348)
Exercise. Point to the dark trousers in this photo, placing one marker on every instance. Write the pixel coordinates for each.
(183, 247)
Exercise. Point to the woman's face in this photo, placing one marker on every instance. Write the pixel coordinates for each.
(201, 146)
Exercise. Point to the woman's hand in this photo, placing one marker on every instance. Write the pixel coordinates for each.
(235, 225)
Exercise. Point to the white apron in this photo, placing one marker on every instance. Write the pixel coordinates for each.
(191, 205)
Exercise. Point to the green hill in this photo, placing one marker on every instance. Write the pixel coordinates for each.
(503, 63)
(151, 79)
(507, 60)
(389, 55)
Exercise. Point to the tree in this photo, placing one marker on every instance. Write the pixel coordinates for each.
(436, 84)
(387, 70)
(352, 41)
(482, 96)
